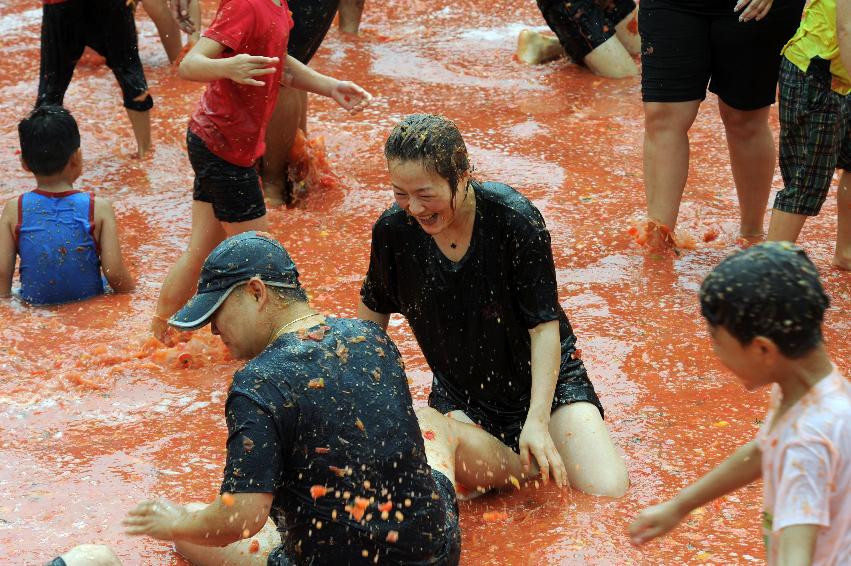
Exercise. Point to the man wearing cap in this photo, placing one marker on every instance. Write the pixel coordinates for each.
(323, 440)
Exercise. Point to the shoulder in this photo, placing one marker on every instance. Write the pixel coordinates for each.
(10, 210)
(102, 208)
(516, 210)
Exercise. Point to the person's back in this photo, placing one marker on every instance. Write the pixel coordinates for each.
(809, 448)
(63, 236)
(59, 259)
(354, 468)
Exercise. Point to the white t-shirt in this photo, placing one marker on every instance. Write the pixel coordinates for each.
(806, 469)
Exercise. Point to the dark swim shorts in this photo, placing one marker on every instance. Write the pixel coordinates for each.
(234, 191)
(583, 25)
(108, 27)
(573, 387)
(685, 45)
(815, 136)
(312, 19)
(341, 553)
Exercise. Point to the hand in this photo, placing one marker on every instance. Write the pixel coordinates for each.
(535, 440)
(181, 12)
(655, 521)
(350, 96)
(753, 9)
(242, 68)
(155, 519)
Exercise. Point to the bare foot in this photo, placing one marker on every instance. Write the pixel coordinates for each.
(657, 237)
(275, 193)
(534, 48)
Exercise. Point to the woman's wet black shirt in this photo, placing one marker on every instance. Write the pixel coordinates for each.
(472, 318)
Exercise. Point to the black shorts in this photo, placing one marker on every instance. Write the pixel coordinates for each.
(108, 27)
(312, 19)
(573, 387)
(685, 45)
(348, 548)
(815, 136)
(234, 191)
(583, 25)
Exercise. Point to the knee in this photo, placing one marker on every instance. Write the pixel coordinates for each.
(141, 103)
(613, 483)
(91, 555)
(428, 416)
(193, 507)
(665, 117)
(744, 124)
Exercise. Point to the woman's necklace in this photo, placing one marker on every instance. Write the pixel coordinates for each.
(283, 329)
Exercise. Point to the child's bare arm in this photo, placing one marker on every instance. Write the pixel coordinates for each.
(796, 545)
(203, 64)
(8, 249)
(740, 469)
(111, 261)
(347, 94)
(843, 31)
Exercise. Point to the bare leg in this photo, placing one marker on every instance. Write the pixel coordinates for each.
(591, 458)
(195, 16)
(785, 226)
(627, 33)
(666, 156)
(290, 112)
(611, 60)
(182, 278)
(534, 48)
(141, 124)
(91, 555)
(842, 258)
(167, 27)
(481, 461)
(752, 158)
(350, 15)
(235, 554)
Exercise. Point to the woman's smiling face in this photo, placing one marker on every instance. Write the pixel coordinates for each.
(423, 194)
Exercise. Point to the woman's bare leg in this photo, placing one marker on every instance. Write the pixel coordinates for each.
(534, 48)
(752, 159)
(611, 60)
(591, 458)
(666, 157)
(627, 33)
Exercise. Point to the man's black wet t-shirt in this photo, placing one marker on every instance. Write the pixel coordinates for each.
(472, 318)
(331, 407)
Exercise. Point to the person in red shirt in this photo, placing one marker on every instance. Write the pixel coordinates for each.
(243, 57)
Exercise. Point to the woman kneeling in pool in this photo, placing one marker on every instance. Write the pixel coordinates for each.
(469, 264)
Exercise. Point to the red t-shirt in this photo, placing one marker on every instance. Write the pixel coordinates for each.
(231, 118)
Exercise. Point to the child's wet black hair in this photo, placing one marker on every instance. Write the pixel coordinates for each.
(435, 142)
(49, 137)
(771, 290)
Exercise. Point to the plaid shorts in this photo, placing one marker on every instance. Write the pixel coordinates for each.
(815, 136)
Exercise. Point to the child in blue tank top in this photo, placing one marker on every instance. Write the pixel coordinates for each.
(63, 236)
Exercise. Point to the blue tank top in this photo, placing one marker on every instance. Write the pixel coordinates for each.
(59, 255)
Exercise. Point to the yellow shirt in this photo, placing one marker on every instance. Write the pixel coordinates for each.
(816, 36)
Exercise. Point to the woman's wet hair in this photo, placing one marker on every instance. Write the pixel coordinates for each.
(433, 141)
(49, 136)
(771, 290)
